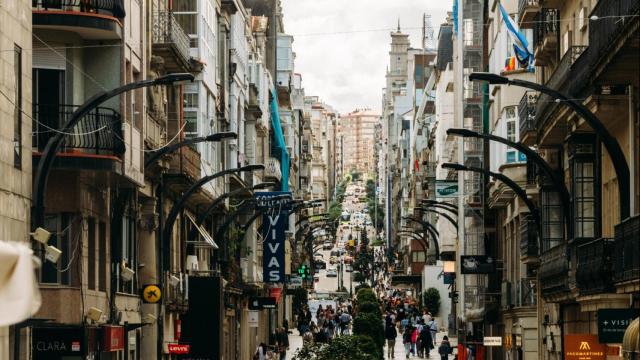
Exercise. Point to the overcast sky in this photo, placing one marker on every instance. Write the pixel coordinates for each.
(342, 46)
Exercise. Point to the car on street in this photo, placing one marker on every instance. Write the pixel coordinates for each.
(348, 268)
(320, 264)
(327, 246)
(333, 260)
(347, 259)
(316, 278)
(332, 272)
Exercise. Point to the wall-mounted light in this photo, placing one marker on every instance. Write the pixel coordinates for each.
(126, 273)
(41, 235)
(52, 253)
(449, 266)
(94, 314)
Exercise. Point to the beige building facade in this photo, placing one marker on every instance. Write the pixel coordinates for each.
(355, 141)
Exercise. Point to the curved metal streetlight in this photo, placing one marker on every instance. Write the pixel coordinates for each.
(179, 204)
(610, 143)
(446, 216)
(41, 175)
(173, 147)
(435, 235)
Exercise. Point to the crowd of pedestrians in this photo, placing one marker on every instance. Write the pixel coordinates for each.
(329, 323)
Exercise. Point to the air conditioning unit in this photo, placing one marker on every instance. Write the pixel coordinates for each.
(192, 263)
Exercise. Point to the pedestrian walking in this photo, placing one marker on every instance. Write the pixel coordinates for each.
(414, 340)
(426, 341)
(261, 352)
(282, 339)
(390, 334)
(445, 348)
(406, 341)
(433, 326)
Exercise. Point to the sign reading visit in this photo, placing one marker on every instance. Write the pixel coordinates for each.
(612, 323)
(274, 220)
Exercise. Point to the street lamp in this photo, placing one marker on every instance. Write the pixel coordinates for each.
(173, 147)
(610, 143)
(446, 216)
(43, 168)
(203, 216)
(520, 192)
(179, 204)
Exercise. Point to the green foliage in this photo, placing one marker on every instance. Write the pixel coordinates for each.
(366, 295)
(341, 348)
(355, 176)
(431, 299)
(369, 307)
(370, 325)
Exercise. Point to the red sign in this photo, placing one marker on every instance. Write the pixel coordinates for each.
(113, 338)
(583, 347)
(275, 293)
(178, 348)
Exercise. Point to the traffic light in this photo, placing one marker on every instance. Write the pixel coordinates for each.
(304, 271)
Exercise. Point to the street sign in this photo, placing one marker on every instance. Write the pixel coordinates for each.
(151, 294)
(261, 303)
(478, 264)
(492, 341)
(446, 189)
(612, 324)
(253, 318)
(583, 347)
(179, 349)
(273, 231)
(295, 282)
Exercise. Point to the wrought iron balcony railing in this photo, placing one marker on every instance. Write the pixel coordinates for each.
(106, 7)
(527, 9)
(547, 25)
(527, 114)
(528, 237)
(167, 33)
(554, 269)
(626, 262)
(99, 132)
(594, 268)
(525, 292)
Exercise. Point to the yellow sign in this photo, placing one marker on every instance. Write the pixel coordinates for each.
(584, 345)
(151, 294)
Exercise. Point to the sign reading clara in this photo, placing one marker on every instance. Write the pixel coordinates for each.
(276, 205)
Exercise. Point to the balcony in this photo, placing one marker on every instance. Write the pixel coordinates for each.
(170, 42)
(186, 161)
(525, 292)
(527, 11)
(176, 295)
(626, 263)
(528, 238)
(554, 271)
(527, 115)
(545, 36)
(90, 19)
(272, 170)
(594, 268)
(94, 143)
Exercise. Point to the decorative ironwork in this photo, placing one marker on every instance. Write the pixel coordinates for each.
(554, 268)
(528, 237)
(594, 271)
(111, 7)
(99, 132)
(526, 292)
(627, 250)
(547, 23)
(167, 30)
(527, 112)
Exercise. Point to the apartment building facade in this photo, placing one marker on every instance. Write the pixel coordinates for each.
(355, 136)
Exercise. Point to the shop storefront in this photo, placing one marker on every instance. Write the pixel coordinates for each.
(77, 342)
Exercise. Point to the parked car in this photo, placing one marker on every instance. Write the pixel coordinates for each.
(332, 272)
(327, 246)
(348, 268)
(320, 264)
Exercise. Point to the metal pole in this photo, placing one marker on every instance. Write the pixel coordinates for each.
(459, 121)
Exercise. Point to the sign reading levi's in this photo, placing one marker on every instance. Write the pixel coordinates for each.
(274, 222)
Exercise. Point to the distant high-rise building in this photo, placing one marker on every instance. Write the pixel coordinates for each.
(355, 141)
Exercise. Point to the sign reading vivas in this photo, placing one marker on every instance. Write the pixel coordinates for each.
(274, 222)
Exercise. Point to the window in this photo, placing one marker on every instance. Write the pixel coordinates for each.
(552, 219)
(191, 120)
(584, 185)
(102, 256)
(91, 256)
(418, 256)
(186, 14)
(191, 100)
(128, 254)
(61, 235)
(17, 112)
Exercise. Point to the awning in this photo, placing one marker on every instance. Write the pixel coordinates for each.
(631, 339)
(208, 240)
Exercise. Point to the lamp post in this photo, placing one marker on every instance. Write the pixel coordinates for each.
(173, 147)
(610, 143)
(431, 229)
(179, 204)
(53, 145)
(446, 216)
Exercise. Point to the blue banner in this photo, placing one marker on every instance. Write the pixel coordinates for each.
(274, 221)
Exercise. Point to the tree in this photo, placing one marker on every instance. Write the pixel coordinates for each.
(370, 324)
(431, 299)
(366, 295)
(356, 347)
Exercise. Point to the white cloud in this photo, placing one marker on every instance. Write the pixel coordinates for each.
(342, 46)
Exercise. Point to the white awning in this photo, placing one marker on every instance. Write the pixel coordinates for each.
(208, 240)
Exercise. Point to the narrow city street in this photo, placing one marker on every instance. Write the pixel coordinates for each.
(317, 180)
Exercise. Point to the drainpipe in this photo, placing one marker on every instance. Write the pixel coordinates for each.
(633, 159)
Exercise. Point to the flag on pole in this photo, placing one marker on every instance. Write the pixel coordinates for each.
(520, 43)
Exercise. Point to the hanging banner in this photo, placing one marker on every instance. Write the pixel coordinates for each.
(446, 189)
(274, 223)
